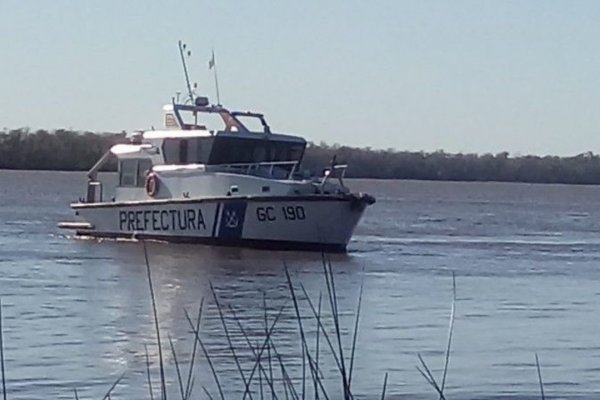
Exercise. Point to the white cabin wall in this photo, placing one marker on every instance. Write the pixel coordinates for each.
(196, 184)
(217, 184)
(130, 194)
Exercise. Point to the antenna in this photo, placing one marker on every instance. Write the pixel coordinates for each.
(182, 47)
(212, 65)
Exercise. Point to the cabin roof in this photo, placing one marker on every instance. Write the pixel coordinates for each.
(124, 149)
(164, 134)
(275, 137)
(185, 134)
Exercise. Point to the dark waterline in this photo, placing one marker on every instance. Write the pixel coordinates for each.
(77, 313)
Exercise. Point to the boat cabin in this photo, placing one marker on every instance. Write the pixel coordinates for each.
(186, 147)
(231, 145)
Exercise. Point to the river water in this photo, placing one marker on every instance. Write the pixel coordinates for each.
(77, 313)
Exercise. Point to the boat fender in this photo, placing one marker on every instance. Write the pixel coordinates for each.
(151, 184)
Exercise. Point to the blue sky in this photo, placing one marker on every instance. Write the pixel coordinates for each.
(463, 76)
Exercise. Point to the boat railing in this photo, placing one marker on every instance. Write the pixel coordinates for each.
(288, 168)
(335, 171)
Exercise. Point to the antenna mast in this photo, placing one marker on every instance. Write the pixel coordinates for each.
(213, 65)
(182, 47)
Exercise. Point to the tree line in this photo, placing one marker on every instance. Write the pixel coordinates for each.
(62, 150)
(439, 165)
(73, 151)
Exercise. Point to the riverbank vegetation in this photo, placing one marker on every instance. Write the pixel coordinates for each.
(71, 151)
(62, 149)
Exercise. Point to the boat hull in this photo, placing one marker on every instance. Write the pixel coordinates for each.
(322, 223)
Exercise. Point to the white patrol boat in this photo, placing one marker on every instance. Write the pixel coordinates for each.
(227, 186)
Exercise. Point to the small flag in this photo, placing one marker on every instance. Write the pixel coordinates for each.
(211, 62)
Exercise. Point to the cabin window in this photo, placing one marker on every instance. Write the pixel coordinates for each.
(144, 167)
(171, 151)
(203, 121)
(127, 172)
(296, 152)
(259, 153)
(132, 172)
(286, 152)
(199, 150)
(183, 151)
(187, 151)
(171, 121)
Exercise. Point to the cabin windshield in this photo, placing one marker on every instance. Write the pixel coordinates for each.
(204, 118)
(260, 157)
(227, 150)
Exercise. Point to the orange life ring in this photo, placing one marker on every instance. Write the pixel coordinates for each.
(151, 184)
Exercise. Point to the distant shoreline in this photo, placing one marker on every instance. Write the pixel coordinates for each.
(72, 151)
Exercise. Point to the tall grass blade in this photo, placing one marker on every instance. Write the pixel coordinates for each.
(268, 348)
(303, 374)
(336, 321)
(317, 340)
(188, 385)
(322, 327)
(283, 380)
(355, 335)
(148, 374)
(114, 385)
(450, 331)
(177, 369)
(271, 387)
(191, 386)
(163, 385)
(2, 354)
(262, 349)
(254, 352)
(313, 370)
(286, 377)
(429, 377)
(315, 373)
(231, 348)
(298, 316)
(384, 386)
(326, 274)
(208, 359)
(539, 372)
(260, 384)
(207, 393)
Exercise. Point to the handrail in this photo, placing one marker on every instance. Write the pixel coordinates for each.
(261, 163)
(93, 172)
(248, 167)
(331, 172)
